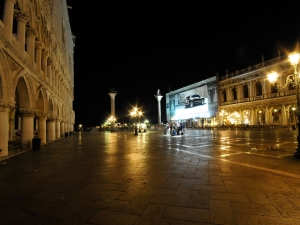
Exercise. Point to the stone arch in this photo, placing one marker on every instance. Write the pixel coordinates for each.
(42, 107)
(292, 114)
(22, 96)
(258, 88)
(276, 114)
(51, 108)
(234, 93)
(260, 116)
(245, 91)
(25, 85)
(246, 116)
(224, 95)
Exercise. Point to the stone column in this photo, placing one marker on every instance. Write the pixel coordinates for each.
(62, 131)
(66, 127)
(22, 20)
(38, 56)
(42, 128)
(27, 116)
(8, 16)
(267, 116)
(44, 62)
(57, 129)
(284, 116)
(112, 95)
(253, 117)
(158, 98)
(4, 127)
(31, 33)
(51, 129)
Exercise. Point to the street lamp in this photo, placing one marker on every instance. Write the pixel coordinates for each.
(112, 120)
(293, 79)
(80, 128)
(136, 113)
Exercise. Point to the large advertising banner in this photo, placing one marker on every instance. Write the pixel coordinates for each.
(189, 104)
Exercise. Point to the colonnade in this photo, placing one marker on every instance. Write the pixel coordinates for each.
(281, 114)
(37, 76)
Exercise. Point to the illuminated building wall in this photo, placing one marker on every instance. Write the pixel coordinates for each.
(247, 97)
(36, 71)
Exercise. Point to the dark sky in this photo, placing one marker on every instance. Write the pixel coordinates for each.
(139, 47)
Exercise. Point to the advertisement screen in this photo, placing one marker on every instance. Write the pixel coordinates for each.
(189, 104)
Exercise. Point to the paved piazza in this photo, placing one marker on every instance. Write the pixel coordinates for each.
(203, 177)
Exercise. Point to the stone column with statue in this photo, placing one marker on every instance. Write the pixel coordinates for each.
(112, 95)
(158, 97)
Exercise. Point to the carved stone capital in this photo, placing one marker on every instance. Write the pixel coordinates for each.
(49, 62)
(6, 106)
(45, 53)
(51, 119)
(27, 112)
(39, 44)
(31, 32)
(41, 116)
(21, 17)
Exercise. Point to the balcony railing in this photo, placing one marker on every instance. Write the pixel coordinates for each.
(260, 97)
(274, 95)
(245, 100)
(254, 67)
(232, 102)
(290, 92)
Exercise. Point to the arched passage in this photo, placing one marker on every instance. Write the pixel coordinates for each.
(24, 113)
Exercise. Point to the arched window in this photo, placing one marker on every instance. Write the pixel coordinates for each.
(274, 89)
(224, 96)
(258, 87)
(234, 93)
(245, 89)
(291, 87)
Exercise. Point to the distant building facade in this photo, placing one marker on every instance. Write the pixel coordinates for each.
(195, 105)
(247, 97)
(36, 71)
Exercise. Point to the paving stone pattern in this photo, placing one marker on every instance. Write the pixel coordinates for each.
(202, 177)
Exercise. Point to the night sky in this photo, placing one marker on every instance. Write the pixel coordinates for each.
(139, 47)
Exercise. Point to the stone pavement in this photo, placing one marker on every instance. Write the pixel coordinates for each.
(202, 177)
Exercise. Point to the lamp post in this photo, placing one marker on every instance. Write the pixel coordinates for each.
(293, 79)
(136, 113)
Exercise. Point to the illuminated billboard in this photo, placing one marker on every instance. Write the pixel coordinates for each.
(189, 104)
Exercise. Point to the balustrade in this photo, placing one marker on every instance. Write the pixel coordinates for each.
(260, 97)
(290, 92)
(274, 95)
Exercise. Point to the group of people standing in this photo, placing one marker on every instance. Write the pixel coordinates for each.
(175, 128)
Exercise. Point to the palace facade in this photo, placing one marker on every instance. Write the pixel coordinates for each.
(248, 97)
(36, 71)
